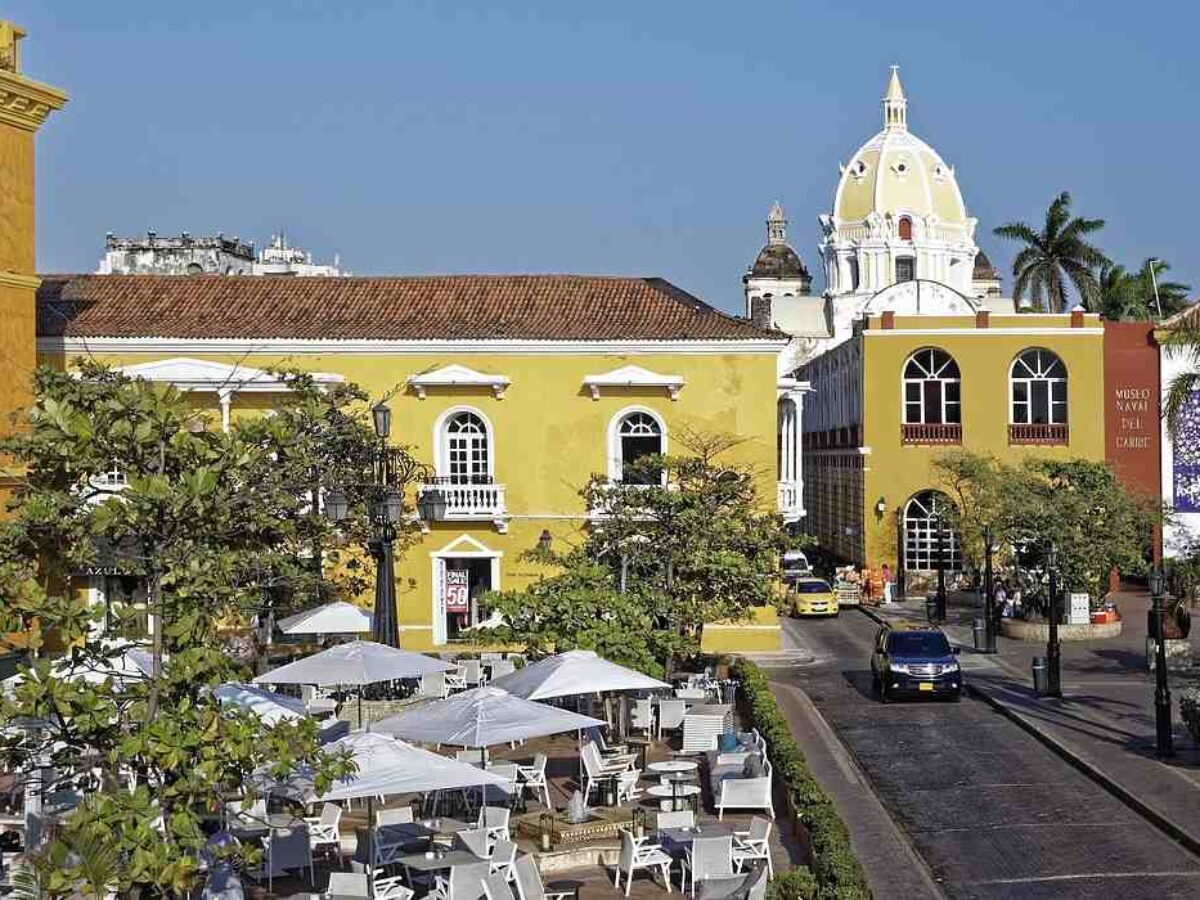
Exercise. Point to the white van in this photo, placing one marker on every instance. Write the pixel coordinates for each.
(795, 565)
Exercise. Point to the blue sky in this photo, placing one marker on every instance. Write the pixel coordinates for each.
(622, 137)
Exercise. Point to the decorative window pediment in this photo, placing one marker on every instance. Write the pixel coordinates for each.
(189, 374)
(633, 376)
(458, 376)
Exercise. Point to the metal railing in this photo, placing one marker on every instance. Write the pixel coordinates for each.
(469, 501)
(1042, 433)
(920, 433)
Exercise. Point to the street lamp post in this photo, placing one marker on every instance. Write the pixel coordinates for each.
(390, 471)
(1053, 647)
(941, 569)
(1162, 691)
(989, 600)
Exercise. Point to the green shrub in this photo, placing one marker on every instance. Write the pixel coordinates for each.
(794, 884)
(836, 872)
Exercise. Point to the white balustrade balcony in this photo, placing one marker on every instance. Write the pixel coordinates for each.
(791, 500)
(471, 502)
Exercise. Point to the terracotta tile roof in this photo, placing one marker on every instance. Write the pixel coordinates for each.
(450, 307)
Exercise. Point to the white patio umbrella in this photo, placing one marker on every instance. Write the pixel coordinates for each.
(353, 665)
(387, 766)
(482, 717)
(272, 708)
(571, 673)
(132, 664)
(332, 618)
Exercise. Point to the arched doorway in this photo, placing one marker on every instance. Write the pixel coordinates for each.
(928, 536)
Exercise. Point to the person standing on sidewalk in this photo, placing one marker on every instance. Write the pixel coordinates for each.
(889, 584)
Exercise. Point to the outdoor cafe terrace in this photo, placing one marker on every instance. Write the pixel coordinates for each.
(664, 782)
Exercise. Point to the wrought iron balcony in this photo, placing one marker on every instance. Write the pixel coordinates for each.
(942, 433)
(1043, 433)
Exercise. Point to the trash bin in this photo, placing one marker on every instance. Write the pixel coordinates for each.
(931, 608)
(979, 628)
(1039, 675)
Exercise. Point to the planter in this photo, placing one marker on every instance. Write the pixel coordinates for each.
(1039, 632)
(1179, 654)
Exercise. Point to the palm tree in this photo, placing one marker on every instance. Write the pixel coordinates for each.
(1118, 297)
(1172, 295)
(1131, 295)
(1183, 336)
(1056, 254)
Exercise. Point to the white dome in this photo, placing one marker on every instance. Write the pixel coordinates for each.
(895, 174)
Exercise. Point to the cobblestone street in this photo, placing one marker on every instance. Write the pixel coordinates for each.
(990, 811)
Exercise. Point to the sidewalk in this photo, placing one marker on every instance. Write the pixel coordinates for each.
(1104, 724)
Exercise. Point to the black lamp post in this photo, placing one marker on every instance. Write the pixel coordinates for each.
(1053, 647)
(989, 596)
(390, 471)
(941, 568)
(1162, 691)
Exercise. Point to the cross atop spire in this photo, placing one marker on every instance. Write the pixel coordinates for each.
(776, 225)
(895, 104)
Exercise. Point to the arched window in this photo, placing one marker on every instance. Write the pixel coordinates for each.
(638, 434)
(906, 269)
(932, 389)
(466, 449)
(1039, 389)
(928, 536)
(904, 228)
(853, 273)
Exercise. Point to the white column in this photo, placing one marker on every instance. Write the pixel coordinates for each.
(225, 397)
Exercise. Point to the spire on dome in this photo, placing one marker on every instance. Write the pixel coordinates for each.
(895, 104)
(776, 225)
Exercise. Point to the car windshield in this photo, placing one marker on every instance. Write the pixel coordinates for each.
(918, 643)
(812, 587)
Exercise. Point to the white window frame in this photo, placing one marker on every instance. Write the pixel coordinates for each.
(905, 381)
(462, 546)
(1052, 404)
(615, 457)
(925, 540)
(441, 440)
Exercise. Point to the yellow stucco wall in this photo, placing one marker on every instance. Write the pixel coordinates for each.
(896, 471)
(549, 436)
(758, 634)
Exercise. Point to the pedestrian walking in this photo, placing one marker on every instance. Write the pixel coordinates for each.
(889, 585)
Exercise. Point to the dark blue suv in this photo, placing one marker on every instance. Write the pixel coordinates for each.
(917, 661)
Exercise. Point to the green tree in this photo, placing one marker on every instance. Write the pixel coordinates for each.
(680, 541)
(211, 522)
(1182, 338)
(1131, 295)
(1079, 506)
(1054, 256)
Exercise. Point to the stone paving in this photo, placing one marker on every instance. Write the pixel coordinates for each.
(1106, 714)
(989, 810)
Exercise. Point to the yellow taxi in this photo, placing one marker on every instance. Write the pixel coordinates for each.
(813, 597)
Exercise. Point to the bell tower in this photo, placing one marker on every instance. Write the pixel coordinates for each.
(25, 105)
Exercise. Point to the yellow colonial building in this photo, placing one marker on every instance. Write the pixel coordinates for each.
(24, 106)
(515, 389)
(908, 387)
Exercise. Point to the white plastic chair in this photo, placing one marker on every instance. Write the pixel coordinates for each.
(494, 820)
(529, 881)
(708, 858)
(433, 684)
(636, 855)
(534, 778)
(472, 673)
(754, 844)
(642, 716)
(288, 849)
(323, 831)
(596, 769)
(670, 715)
(504, 854)
(455, 680)
(464, 882)
(495, 887)
(745, 793)
(474, 840)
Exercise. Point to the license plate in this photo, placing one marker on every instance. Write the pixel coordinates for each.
(925, 686)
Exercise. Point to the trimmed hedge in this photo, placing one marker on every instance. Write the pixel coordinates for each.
(836, 871)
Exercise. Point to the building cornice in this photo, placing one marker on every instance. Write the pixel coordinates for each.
(26, 103)
(128, 345)
(984, 332)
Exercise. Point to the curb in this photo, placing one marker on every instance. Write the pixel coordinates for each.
(1163, 823)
